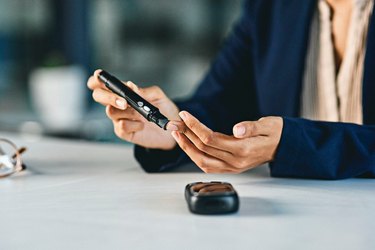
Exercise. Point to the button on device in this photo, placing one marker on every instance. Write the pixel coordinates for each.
(146, 108)
(140, 104)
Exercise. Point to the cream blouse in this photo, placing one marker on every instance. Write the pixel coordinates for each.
(328, 96)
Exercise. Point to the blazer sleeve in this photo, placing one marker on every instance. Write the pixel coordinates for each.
(226, 96)
(324, 150)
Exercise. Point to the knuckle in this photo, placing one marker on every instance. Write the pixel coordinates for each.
(95, 95)
(232, 162)
(120, 130)
(96, 72)
(132, 85)
(191, 124)
(243, 153)
(208, 139)
(246, 150)
(262, 119)
(252, 128)
(112, 99)
(183, 146)
(201, 146)
(241, 163)
(109, 111)
(125, 129)
(277, 122)
(206, 170)
(202, 163)
(89, 82)
(92, 83)
(156, 89)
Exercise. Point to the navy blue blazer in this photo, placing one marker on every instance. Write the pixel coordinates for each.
(259, 72)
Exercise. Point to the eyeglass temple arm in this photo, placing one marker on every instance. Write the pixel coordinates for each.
(19, 151)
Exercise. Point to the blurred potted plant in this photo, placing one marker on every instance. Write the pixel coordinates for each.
(57, 92)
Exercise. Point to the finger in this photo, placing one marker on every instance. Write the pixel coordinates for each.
(151, 93)
(117, 114)
(261, 127)
(126, 128)
(207, 136)
(217, 153)
(106, 97)
(176, 126)
(236, 160)
(203, 161)
(97, 72)
(130, 126)
(94, 81)
(133, 87)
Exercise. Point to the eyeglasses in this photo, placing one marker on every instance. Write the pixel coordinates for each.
(10, 158)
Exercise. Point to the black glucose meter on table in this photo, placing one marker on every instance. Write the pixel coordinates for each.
(211, 198)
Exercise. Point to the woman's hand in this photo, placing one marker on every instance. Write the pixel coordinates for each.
(128, 124)
(253, 143)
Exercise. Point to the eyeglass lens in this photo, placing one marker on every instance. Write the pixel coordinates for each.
(10, 160)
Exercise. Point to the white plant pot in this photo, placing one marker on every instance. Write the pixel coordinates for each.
(58, 97)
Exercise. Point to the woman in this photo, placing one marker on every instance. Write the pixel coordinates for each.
(285, 59)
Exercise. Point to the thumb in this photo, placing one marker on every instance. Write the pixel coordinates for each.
(247, 129)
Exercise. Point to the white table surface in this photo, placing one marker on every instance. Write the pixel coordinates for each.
(79, 195)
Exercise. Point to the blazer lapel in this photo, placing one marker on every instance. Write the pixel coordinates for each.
(369, 76)
(281, 66)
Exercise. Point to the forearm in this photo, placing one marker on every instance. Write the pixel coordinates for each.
(154, 160)
(324, 150)
(226, 96)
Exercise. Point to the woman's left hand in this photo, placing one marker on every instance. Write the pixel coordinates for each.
(252, 144)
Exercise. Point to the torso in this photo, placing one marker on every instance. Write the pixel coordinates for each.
(341, 16)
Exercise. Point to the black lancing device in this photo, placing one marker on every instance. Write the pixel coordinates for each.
(146, 109)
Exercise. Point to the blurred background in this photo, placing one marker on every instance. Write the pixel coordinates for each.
(48, 49)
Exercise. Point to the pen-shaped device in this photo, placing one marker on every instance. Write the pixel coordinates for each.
(146, 109)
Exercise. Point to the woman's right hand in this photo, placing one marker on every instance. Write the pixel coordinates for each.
(128, 124)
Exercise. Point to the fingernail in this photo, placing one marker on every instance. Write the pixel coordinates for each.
(120, 103)
(182, 115)
(175, 135)
(239, 131)
(172, 127)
